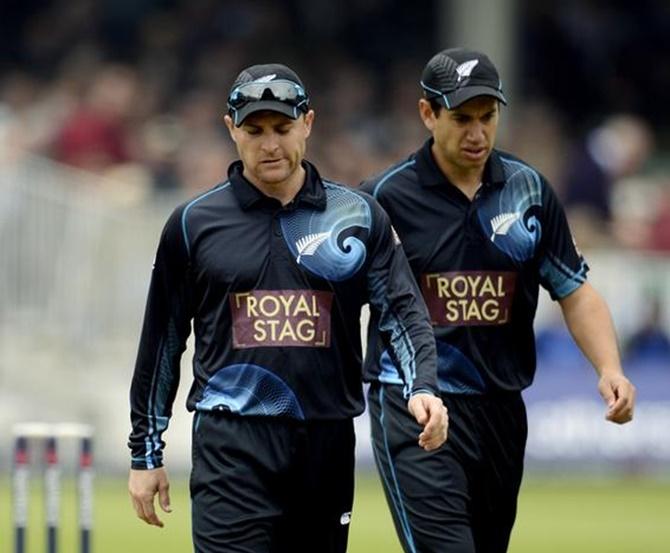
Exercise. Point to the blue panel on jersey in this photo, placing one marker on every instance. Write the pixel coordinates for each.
(455, 372)
(560, 279)
(505, 216)
(249, 390)
(388, 372)
(323, 241)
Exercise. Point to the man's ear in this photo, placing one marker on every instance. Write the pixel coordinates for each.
(427, 114)
(228, 120)
(309, 121)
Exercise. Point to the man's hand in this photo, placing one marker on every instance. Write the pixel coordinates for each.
(143, 485)
(430, 412)
(619, 395)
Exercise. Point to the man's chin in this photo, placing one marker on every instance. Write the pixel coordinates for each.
(273, 176)
(475, 163)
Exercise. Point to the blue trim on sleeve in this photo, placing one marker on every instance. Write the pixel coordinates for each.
(161, 384)
(399, 336)
(562, 279)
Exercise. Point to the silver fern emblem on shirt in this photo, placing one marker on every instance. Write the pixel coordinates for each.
(307, 245)
(502, 223)
(465, 69)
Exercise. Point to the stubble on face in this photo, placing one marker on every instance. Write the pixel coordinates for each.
(271, 147)
(465, 136)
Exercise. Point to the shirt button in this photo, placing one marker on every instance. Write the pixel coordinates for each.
(276, 227)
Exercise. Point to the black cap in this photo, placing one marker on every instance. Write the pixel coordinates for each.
(270, 73)
(456, 75)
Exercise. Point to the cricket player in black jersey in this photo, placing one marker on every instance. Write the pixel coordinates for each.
(482, 231)
(272, 267)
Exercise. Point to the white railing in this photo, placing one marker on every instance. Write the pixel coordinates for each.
(73, 264)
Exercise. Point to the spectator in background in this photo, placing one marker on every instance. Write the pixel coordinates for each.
(95, 136)
(615, 149)
(658, 235)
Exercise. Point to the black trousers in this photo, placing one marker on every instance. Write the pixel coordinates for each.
(270, 485)
(461, 498)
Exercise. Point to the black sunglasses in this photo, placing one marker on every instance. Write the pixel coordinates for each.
(283, 91)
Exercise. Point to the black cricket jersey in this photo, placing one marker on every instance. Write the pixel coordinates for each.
(479, 265)
(274, 294)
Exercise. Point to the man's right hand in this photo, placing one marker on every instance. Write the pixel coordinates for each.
(430, 412)
(143, 485)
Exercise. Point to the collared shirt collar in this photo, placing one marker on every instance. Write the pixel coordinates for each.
(432, 175)
(311, 193)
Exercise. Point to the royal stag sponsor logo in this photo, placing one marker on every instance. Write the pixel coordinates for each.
(266, 318)
(469, 297)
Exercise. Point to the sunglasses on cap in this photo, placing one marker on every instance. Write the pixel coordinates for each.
(282, 91)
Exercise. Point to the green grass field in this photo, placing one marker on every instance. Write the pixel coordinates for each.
(613, 516)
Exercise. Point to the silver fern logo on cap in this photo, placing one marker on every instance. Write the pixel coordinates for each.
(465, 69)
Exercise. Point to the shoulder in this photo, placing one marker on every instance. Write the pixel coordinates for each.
(518, 173)
(385, 181)
(213, 196)
(184, 215)
(350, 200)
(336, 190)
(340, 195)
(515, 167)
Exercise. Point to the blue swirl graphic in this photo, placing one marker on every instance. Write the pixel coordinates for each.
(324, 241)
(249, 390)
(505, 216)
(455, 372)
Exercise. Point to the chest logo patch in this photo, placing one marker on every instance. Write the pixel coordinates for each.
(290, 318)
(501, 224)
(469, 298)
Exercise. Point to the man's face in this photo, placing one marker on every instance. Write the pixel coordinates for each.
(464, 136)
(271, 145)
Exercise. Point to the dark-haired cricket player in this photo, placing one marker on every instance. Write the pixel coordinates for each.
(272, 268)
(482, 231)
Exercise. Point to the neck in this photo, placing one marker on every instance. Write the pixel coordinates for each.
(468, 186)
(285, 190)
(467, 181)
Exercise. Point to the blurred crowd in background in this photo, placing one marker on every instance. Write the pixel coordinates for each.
(135, 90)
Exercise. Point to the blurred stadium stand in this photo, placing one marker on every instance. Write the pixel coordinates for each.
(110, 116)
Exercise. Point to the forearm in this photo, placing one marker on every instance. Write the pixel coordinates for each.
(588, 318)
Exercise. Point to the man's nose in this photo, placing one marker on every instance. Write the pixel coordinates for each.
(269, 142)
(476, 131)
